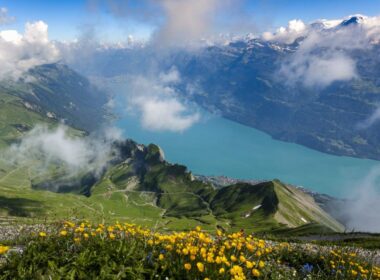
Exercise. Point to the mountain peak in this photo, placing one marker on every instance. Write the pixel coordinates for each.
(353, 20)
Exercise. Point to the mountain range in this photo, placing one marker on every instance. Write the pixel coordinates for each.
(256, 81)
(134, 182)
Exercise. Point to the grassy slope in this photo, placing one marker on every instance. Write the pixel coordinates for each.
(62, 93)
(18, 202)
(174, 201)
(15, 118)
(297, 207)
(147, 190)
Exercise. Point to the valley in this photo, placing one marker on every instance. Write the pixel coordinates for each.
(136, 183)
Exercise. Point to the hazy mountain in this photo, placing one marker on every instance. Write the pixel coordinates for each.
(50, 93)
(316, 84)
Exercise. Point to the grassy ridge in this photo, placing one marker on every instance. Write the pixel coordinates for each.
(141, 187)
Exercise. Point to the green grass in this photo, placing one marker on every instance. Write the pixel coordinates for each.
(85, 250)
(368, 242)
(15, 118)
(34, 206)
(163, 195)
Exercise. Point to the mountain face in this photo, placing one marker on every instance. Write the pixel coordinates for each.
(49, 93)
(141, 175)
(239, 81)
(242, 81)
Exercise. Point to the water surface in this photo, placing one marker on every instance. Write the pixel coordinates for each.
(217, 146)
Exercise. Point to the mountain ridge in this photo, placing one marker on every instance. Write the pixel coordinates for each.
(136, 183)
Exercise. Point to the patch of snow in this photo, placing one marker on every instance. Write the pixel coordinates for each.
(50, 115)
(256, 207)
(140, 147)
(28, 105)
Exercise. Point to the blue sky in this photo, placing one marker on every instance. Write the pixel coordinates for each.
(67, 18)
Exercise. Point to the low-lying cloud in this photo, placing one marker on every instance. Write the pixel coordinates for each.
(156, 101)
(179, 23)
(362, 211)
(318, 70)
(371, 120)
(43, 146)
(325, 51)
(20, 52)
(295, 29)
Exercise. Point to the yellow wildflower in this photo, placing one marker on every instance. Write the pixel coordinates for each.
(200, 266)
(255, 272)
(249, 264)
(3, 249)
(242, 258)
(236, 269)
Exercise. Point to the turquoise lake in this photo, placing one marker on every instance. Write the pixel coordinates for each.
(217, 146)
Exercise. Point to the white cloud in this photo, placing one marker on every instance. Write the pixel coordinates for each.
(49, 146)
(363, 211)
(295, 29)
(178, 23)
(172, 76)
(371, 120)
(319, 70)
(324, 54)
(4, 17)
(156, 101)
(166, 114)
(186, 21)
(326, 23)
(20, 52)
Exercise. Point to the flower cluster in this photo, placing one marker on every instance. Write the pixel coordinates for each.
(203, 255)
(194, 254)
(235, 255)
(345, 265)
